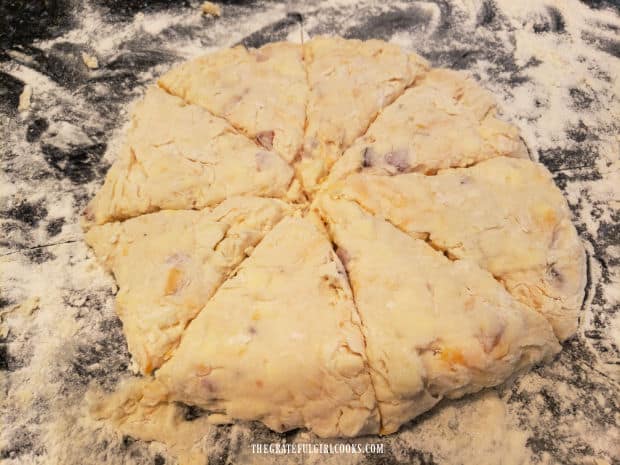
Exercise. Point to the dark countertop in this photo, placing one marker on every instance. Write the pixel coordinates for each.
(554, 67)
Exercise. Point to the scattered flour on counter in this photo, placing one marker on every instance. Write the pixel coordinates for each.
(565, 62)
(479, 431)
(62, 334)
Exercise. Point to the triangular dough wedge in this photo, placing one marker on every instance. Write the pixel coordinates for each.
(505, 214)
(445, 120)
(433, 327)
(262, 92)
(185, 159)
(168, 264)
(280, 342)
(350, 82)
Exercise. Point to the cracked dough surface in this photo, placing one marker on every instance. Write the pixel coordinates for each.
(328, 236)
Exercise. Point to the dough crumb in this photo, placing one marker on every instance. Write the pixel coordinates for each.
(24, 98)
(22, 310)
(210, 8)
(90, 61)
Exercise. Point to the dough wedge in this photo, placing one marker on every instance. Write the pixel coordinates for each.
(350, 82)
(280, 342)
(168, 265)
(262, 92)
(433, 327)
(445, 120)
(505, 214)
(188, 160)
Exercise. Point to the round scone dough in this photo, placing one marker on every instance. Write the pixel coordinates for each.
(329, 236)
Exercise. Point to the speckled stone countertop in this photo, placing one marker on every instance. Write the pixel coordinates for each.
(554, 66)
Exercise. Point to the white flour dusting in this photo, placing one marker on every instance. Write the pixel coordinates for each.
(60, 327)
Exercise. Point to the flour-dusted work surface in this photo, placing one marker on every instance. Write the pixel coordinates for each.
(68, 73)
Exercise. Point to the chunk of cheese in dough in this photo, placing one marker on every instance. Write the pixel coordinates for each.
(280, 342)
(505, 214)
(445, 120)
(168, 264)
(350, 82)
(187, 159)
(262, 92)
(434, 328)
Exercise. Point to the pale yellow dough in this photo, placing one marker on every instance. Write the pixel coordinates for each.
(505, 214)
(446, 120)
(280, 342)
(262, 92)
(327, 236)
(178, 156)
(433, 328)
(168, 264)
(350, 82)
